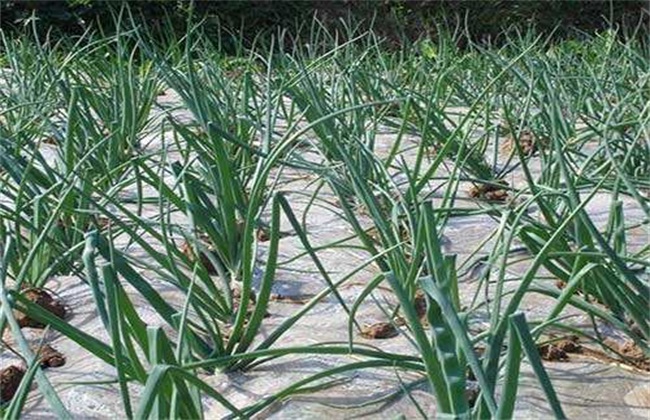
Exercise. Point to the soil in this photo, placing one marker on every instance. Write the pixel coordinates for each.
(45, 300)
(632, 360)
(633, 356)
(528, 142)
(489, 192)
(263, 235)
(50, 357)
(420, 304)
(51, 141)
(379, 331)
(496, 195)
(10, 378)
(558, 351)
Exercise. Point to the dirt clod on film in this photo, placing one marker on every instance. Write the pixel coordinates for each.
(528, 142)
(629, 353)
(558, 351)
(50, 357)
(420, 304)
(379, 331)
(10, 378)
(43, 299)
(635, 355)
(489, 192)
(52, 141)
(263, 235)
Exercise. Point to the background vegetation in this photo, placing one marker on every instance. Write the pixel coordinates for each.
(399, 19)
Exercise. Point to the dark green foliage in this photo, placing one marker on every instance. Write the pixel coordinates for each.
(397, 20)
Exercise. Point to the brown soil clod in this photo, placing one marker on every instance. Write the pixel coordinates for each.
(420, 304)
(631, 350)
(558, 351)
(52, 141)
(263, 235)
(630, 355)
(10, 378)
(489, 192)
(43, 299)
(552, 353)
(569, 345)
(635, 355)
(50, 357)
(496, 195)
(528, 142)
(379, 331)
